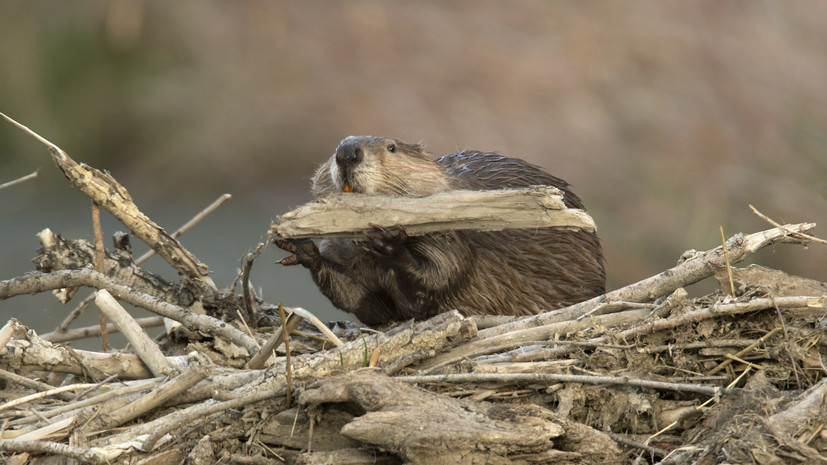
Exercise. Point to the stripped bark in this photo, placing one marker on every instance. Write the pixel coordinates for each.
(350, 215)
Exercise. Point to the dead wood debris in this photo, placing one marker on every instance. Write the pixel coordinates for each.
(495, 210)
(643, 374)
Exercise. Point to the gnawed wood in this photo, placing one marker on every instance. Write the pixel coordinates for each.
(103, 189)
(424, 337)
(58, 254)
(27, 352)
(146, 348)
(693, 266)
(424, 427)
(38, 282)
(349, 215)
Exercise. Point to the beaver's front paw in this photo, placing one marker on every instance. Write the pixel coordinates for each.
(388, 245)
(304, 252)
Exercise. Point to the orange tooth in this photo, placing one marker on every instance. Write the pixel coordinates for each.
(347, 187)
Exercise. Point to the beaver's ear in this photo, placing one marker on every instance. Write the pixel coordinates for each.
(416, 149)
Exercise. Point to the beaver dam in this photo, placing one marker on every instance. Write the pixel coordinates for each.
(642, 374)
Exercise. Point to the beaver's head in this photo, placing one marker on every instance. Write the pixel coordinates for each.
(380, 165)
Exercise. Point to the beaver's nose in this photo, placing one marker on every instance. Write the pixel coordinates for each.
(349, 154)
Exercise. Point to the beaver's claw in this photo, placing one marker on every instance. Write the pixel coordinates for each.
(388, 245)
(304, 252)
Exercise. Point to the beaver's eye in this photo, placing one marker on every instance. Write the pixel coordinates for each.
(392, 148)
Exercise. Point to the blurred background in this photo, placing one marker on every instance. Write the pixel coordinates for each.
(669, 118)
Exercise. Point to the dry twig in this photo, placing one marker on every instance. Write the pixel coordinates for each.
(549, 378)
(38, 282)
(728, 267)
(287, 364)
(698, 266)
(94, 331)
(189, 224)
(777, 225)
(20, 179)
(144, 346)
(105, 190)
(54, 448)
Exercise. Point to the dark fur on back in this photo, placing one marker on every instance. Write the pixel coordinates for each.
(511, 272)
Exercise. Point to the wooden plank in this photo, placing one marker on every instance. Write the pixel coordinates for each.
(349, 215)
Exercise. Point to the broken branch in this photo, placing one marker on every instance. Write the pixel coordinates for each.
(35, 282)
(103, 189)
(697, 266)
(349, 215)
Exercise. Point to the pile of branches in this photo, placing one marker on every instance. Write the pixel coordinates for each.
(642, 374)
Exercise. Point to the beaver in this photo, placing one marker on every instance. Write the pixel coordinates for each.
(387, 276)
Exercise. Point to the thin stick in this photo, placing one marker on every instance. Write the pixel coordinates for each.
(494, 354)
(757, 366)
(189, 224)
(617, 306)
(186, 227)
(100, 252)
(743, 352)
(94, 331)
(699, 267)
(700, 345)
(100, 256)
(528, 378)
(40, 395)
(75, 313)
(637, 445)
(52, 448)
(787, 341)
(30, 132)
(728, 267)
(30, 383)
(200, 367)
(249, 298)
(777, 225)
(287, 364)
(35, 282)
(98, 386)
(735, 308)
(103, 188)
(19, 180)
(260, 358)
(130, 388)
(247, 327)
(698, 407)
(313, 336)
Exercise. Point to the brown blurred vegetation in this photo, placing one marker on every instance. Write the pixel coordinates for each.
(668, 117)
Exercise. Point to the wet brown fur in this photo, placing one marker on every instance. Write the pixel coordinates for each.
(512, 272)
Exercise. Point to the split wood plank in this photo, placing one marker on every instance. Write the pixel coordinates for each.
(350, 215)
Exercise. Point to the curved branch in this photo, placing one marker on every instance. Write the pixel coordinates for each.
(32, 283)
(694, 266)
(103, 189)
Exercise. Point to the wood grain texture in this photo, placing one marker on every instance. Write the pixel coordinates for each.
(349, 215)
